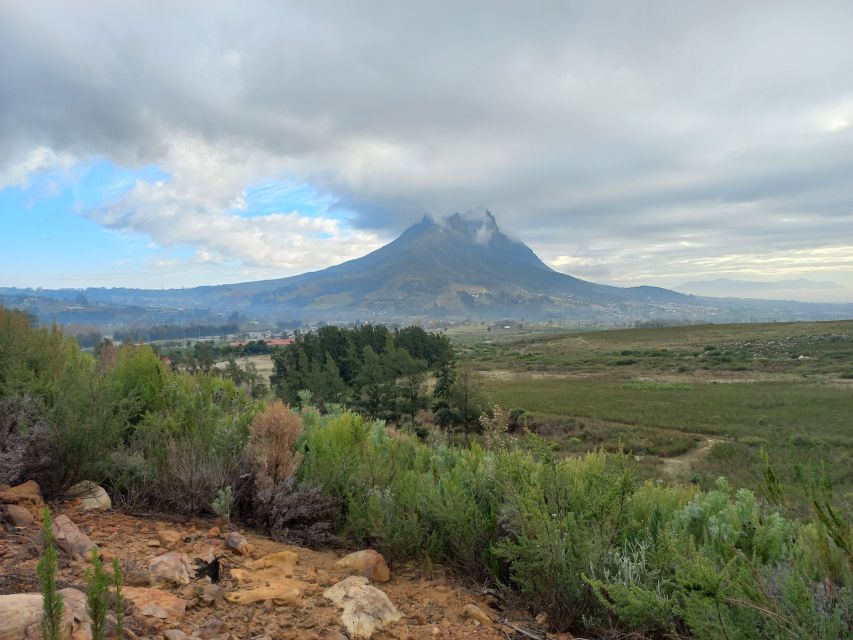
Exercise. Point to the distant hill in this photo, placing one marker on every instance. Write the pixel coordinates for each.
(459, 267)
(794, 289)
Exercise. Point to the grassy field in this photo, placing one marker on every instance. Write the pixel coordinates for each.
(710, 396)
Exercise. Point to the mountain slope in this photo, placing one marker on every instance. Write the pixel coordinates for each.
(459, 267)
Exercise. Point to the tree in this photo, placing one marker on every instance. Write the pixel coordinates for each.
(369, 382)
(413, 397)
(466, 395)
(52, 604)
(442, 406)
(327, 384)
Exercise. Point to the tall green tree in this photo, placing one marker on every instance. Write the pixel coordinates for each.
(442, 394)
(369, 383)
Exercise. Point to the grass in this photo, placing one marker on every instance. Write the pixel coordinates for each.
(660, 392)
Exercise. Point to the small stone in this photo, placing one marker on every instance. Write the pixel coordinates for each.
(137, 579)
(367, 563)
(170, 568)
(237, 542)
(158, 600)
(323, 578)
(17, 516)
(213, 532)
(473, 612)
(169, 538)
(70, 539)
(213, 629)
(175, 634)
(27, 493)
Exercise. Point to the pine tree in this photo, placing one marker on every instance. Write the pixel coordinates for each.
(444, 378)
(51, 620)
(97, 600)
(118, 582)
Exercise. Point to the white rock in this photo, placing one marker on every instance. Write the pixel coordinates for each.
(365, 608)
(91, 496)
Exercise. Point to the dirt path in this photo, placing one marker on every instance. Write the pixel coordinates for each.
(679, 465)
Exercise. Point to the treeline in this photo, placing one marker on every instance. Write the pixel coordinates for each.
(173, 332)
(380, 372)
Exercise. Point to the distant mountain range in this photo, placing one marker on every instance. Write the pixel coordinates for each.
(459, 267)
(796, 289)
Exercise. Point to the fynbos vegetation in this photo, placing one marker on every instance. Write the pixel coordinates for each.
(581, 539)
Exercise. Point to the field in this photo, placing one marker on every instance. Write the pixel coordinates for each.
(690, 403)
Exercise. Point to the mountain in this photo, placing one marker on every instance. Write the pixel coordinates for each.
(796, 289)
(459, 267)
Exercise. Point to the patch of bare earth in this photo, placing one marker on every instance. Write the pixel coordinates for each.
(433, 603)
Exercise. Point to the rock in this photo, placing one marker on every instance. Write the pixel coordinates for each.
(237, 542)
(170, 568)
(175, 634)
(70, 539)
(91, 496)
(27, 495)
(17, 516)
(212, 630)
(365, 608)
(367, 563)
(213, 532)
(20, 616)
(137, 579)
(473, 612)
(283, 590)
(156, 603)
(30, 492)
(169, 538)
(212, 595)
(283, 562)
(269, 578)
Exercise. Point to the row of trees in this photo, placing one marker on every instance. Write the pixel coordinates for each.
(174, 332)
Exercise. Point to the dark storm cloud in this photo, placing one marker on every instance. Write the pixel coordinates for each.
(586, 127)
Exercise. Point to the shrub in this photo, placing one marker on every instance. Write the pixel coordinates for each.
(189, 474)
(24, 440)
(222, 502)
(303, 514)
(561, 520)
(272, 444)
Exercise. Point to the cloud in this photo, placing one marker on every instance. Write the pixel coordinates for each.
(663, 138)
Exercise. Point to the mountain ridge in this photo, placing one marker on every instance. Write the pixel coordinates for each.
(461, 266)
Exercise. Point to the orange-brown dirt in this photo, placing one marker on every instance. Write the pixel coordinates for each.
(432, 601)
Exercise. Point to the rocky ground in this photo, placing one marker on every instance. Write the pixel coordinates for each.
(265, 589)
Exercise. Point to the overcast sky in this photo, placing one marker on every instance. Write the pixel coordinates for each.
(173, 144)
